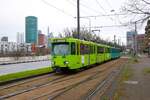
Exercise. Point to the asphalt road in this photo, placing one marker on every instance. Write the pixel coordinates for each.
(13, 68)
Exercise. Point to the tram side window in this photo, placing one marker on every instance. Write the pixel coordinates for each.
(84, 49)
(81, 49)
(100, 50)
(73, 48)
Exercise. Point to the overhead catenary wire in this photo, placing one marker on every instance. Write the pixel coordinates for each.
(100, 6)
(103, 15)
(108, 4)
(59, 9)
(66, 13)
(112, 9)
(71, 3)
(103, 9)
(84, 5)
(109, 26)
(89, 8)
(75, 5)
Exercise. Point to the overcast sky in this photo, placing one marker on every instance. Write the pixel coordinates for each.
(58, 15)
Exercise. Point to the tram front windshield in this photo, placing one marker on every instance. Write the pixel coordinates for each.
(60, 49)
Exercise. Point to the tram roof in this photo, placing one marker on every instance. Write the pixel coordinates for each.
(77, 40)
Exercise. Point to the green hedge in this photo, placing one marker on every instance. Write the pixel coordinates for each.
(24, 74)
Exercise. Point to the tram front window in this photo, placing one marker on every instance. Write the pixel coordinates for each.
(61, 49)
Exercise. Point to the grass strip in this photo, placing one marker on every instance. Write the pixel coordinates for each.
(126, 74)
(146, 70)
(24, 74)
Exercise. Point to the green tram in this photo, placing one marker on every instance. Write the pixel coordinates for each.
(72, 54)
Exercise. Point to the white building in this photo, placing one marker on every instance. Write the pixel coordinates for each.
(26, 47)
(10, 47)
(20, 38)
(7, 47)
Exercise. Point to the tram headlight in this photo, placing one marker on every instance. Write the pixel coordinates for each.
(66, 62)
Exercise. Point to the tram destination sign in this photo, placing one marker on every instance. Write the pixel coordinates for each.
(60, 40)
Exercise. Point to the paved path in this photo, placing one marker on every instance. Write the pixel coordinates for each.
(139, 86)
(12, 68)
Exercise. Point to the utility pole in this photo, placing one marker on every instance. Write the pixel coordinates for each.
(48, 30)
(115, 40)
(118, 41)
(78, 18)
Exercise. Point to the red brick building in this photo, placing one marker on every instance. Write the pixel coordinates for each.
(140, 42)
(41, 39)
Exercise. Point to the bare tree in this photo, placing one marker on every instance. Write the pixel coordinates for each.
(86, 35)
(60, 35)
(137, 13)
(68, 33)
(137, 10)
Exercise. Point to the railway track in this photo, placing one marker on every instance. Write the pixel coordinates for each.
(65, 89)
(54, 81)
(101, 87)
(28, 85)
(58, 86)
(103, 81)
(23, 82)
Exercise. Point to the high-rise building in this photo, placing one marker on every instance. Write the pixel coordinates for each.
(20, 38)
(4, 38)
(131, 40)
(31, 29)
